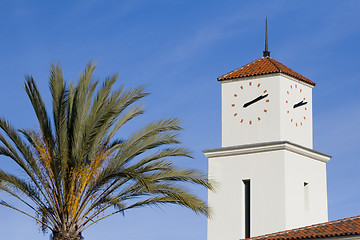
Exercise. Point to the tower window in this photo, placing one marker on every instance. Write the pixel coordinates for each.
(306, 196)
(247, 207)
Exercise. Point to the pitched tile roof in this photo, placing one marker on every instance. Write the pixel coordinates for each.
(343, 227)
(262, 66)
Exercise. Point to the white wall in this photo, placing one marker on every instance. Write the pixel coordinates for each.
(267, 194)
(300, 169)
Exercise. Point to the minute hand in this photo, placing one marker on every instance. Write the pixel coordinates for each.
(299, 104)
(255, 100)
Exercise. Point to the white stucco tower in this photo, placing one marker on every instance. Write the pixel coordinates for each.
(268, 177)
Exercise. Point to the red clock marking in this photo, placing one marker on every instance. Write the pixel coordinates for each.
(267, 100)
(259, 118)
(288, 111)
(295, 86)
(287, 92)
(241, 87)
(292, 120)
(301, 123)
(265, 91)
(249, 83)
(242, 120)
(233, 105)
(265, 110)
(235, 114)
(259, 85)
(300, 90)
(287, 101)
(304, 98)
(291, 86)
(304, 117)
(305, 108)
(249, 122)
(296, 124)
(235, 95)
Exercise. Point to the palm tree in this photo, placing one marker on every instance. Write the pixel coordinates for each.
(78, 172)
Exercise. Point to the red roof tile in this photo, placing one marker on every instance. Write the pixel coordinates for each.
(262, 66)
(342, 227)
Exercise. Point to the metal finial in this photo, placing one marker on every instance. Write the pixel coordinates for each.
(266, 53)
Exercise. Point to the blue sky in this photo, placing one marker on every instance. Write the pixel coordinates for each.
(177, 49)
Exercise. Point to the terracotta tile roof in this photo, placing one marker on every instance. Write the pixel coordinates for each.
(262, 66)
(338, 228)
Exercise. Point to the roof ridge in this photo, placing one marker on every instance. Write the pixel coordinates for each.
(269, 59)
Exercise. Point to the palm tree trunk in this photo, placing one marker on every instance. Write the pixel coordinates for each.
(60, 235)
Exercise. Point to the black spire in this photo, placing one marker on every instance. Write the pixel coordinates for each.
(266, 53)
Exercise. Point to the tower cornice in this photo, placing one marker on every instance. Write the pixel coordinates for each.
(267, 147)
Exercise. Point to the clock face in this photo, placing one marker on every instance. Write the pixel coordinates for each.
(297, 105)
(250, 103)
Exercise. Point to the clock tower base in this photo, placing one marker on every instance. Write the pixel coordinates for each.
(265, 187)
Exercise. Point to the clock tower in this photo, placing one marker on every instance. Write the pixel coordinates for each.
(267, 175)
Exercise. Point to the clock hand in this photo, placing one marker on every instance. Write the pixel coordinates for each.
(299, 104)
(255, 100)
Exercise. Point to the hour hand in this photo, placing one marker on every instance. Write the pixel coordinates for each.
(299, 104)
(255, 100)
